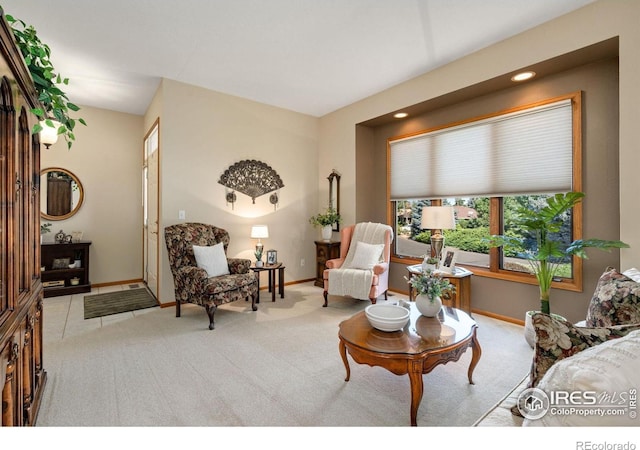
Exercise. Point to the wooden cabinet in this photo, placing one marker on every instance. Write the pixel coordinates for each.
(60, 279)
(461, 279)
(324, 251)
(22, 377)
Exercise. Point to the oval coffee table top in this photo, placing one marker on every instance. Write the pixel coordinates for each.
(421, 334)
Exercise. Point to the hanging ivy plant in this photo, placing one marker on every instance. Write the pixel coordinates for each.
(47, 82)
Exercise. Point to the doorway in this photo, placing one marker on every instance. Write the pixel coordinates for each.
(150, 199)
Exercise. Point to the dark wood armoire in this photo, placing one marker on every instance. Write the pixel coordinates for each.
(22, 376)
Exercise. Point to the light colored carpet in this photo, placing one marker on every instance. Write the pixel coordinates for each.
(276, 367)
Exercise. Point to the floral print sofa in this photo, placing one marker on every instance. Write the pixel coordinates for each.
(598, 356)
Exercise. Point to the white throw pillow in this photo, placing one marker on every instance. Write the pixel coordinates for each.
(608, 370)
(212, 259)
(366, 255)
(632, 273)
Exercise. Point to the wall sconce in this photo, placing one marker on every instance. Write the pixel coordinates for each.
(259, 232)
(437, 218)
(49, 132)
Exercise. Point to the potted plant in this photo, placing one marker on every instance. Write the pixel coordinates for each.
(48, 83)
(429, 262)
(44, 228)
(545, 252)
(258, 255)
(326, 220)
(430, 286)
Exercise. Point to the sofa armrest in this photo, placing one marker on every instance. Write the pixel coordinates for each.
(380, 268)
(334, 263)
(239, 265)
(191, 276)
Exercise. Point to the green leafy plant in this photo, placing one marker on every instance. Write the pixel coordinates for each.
(56, 104)
(430, 259)
(546, 254)
(45, 228)
(329, 217)
(431, 284)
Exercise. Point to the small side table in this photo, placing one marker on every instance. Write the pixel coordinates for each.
(461, 279)
(271, 272)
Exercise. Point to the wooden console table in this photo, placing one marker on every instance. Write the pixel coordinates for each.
(461, 279)
(325, 250)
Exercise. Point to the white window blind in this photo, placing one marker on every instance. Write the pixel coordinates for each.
(525, 152)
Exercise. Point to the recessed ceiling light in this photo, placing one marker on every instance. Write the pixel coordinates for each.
(400, 115)
(522, 76)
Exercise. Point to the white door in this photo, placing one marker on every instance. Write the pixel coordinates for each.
(150, 199)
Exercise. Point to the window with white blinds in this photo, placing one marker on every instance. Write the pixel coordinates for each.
(529, 151)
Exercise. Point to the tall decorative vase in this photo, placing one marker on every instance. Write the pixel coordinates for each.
(428, 307)
(326, 233)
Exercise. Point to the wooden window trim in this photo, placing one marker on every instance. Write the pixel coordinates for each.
(570, 284)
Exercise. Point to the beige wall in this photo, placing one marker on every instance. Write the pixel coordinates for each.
(202, 133)
(592, 24)
(107, 158)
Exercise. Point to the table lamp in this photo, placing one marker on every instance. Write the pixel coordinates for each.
(437, 218)
(259, 232)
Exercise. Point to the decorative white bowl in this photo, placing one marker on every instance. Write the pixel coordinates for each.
(387, 317)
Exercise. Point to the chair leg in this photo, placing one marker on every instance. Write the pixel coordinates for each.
(177, 308)
(211, 309)
(254, 297)
(324, 294)
(373, 300)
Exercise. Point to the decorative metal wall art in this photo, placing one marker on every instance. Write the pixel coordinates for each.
(252, 178)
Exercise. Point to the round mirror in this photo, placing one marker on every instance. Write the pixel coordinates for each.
(61, 194)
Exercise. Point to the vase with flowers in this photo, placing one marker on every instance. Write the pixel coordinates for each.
(430, 287)
(44, 228)
(326, 220)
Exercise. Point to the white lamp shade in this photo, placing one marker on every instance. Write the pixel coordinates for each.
(438, 218)
(49, 135)
(259, 231)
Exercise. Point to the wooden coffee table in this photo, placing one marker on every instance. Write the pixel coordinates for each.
(423, 344)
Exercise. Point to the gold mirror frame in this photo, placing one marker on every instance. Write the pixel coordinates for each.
(76, 192)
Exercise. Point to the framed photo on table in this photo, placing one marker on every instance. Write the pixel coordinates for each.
(448, 261)
(272, 256)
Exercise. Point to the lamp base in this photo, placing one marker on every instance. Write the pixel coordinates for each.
(437, 244)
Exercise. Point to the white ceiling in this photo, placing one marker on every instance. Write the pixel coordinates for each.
(310, 56)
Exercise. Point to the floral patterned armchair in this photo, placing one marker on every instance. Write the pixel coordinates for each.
(192, 284)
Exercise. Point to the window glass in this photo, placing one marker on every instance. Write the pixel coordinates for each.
(519, 262)
(482, 167)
